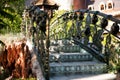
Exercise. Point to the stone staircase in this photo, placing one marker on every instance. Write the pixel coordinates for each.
(67, 58)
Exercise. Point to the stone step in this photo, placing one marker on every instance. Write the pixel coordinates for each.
(77, 68)
(60, 42)
(104, 76)
(70, 48)
(70, 57)
(67, 49)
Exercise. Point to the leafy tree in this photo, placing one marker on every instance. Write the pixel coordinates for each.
(10, 15)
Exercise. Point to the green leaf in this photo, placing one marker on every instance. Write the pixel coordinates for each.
(9, 9)
(6, 14)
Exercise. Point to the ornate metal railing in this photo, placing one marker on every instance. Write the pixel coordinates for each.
(94, 31)
(35, 28)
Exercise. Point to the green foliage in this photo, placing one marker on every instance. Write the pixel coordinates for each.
(114, 54)
(10, 15)
(57, 14)
(60, 25)
(18, 6)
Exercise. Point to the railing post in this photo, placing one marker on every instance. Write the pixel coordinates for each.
(47, 68)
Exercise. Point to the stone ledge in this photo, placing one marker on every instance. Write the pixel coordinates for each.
(105, 76)
(70, 57)
(78, 67)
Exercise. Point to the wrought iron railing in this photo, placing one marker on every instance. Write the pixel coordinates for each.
(34, 28)
(94, 31)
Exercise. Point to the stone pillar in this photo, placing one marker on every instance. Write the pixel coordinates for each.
(79, 4)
